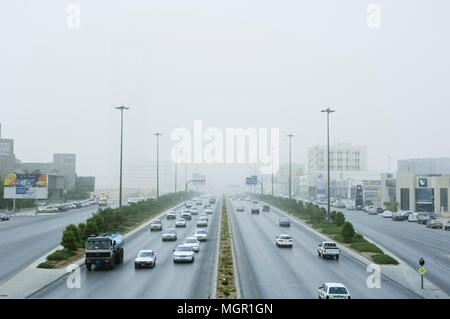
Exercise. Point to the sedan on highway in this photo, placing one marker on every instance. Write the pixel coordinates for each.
(183, 253)
(201, 234)
(284, 222)
(181, 222)
(156, 225)
(266, 208)
(194, 211)
(4, 217)
(169, 234)
(193, 242)
(171, 215)
(240, 208)
(145, 259)
(202, 222)
(208, 210)
(333, 290)
(186, 214)
(255, 210)
(284, 240)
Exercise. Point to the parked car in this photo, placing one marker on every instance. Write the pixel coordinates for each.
(423, 219)
(4, 217)
(413, 218)
(145, 259)
(284, 240)
(387, 214)
(434, 223)
(372, 210)
(399, 216)
(284, 222)
(349, 206)
(446, 225)
(333, 290)
(359, 207)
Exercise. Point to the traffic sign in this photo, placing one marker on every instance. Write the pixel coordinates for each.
(422, 271)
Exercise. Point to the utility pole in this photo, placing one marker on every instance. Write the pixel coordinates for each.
(290, 192)
(328, 111)
(176, 164)
(271, 156)
(121, 108)
(157, 134)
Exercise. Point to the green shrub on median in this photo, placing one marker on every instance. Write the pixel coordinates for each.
(383, 259)
(45, 265)
(366, 246)
(60, 255)
(347, 232)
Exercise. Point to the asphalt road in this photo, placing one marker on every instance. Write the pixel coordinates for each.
(265, 271)
(166, 280)
(23, 239)
(409, 241)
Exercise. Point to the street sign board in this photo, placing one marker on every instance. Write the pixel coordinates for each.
(422, 271)
(253, 180)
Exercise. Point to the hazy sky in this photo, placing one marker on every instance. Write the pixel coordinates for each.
(230, 64)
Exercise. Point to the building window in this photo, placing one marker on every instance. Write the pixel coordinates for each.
(444, 199)
(425, 199)
(404, 198)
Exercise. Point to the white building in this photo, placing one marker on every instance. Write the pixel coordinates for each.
(343, 157)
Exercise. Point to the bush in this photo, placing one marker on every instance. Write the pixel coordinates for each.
(69, 241)
(365, 246)
(383, 259)
(45, 265)
(74, 230)
(333, 215)
(60, 255)
(340, 219)
(91, 228)
(332, 230)
(347, 232)
(357, 237)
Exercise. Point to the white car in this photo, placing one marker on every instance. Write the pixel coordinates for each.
(145, 259)
(201, 234)
(183, 253)
(194, 211)
(333, 290)
(387, 214)
(202, 222)
(181, 222)
(208, 210)
(413, 218)
(328, 249)
(193, 242)
(284, 240)
(372, 210)
(349, 206)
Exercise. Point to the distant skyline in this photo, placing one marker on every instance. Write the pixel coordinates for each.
(261, 64)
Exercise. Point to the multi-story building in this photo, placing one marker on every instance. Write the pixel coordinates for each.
(343, 157)
(7, 157)
(422, 185)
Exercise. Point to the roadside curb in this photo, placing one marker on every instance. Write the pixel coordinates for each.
(403, 271)
(216, 261)
(19, 283)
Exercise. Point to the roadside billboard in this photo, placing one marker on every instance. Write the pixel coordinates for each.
(25, 186)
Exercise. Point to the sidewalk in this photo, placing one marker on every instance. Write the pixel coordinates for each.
(402, 274)
(32, 280)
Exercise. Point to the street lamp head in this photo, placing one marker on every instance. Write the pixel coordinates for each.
(328, 110)
(157, 134)
(290, 135)
(122, 108)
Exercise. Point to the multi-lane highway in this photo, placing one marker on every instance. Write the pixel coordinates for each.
(23, 239)
(409, 241)
(165, 280)
(265, 271)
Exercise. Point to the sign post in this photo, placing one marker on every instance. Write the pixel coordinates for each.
(422, 271)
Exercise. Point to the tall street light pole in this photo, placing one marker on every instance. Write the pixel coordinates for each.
(328, 111)
(290, 187)
(157, 134)
(271, 155)
(121, 108)
(176, 164)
